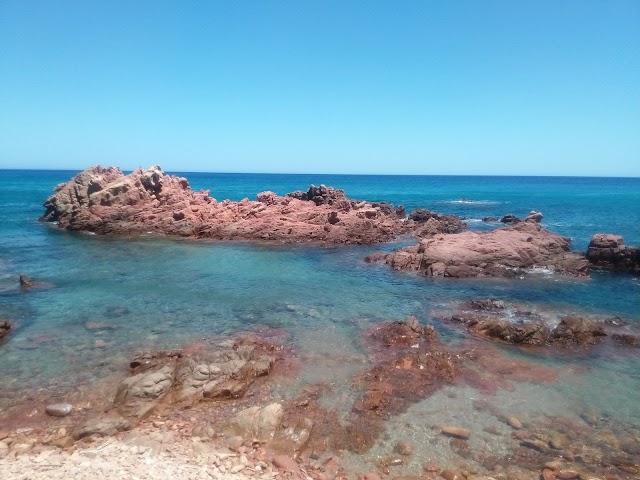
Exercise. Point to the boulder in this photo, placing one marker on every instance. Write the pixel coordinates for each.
(485, 304)
(525, 333)
(138, 395)
(578, 331)
(258, 423)
(431, 223)
(504, 252)
(103, 426)
(534, 217)
(510, 219)
(608, 251)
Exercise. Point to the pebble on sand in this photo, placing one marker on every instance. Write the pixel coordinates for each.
(456, 432)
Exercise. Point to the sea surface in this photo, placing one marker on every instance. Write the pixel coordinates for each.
(164, 293)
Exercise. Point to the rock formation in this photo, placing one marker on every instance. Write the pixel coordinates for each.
(410, 365)
(173, 378)
(105, 201)
(504, 252)
(609, 252)
(493, 320)
(428, 224)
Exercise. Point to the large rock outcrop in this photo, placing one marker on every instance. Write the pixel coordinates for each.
(504, 252)
(106, 201)
(609, 252)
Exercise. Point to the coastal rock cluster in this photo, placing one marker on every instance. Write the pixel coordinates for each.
(106, 201)
(494, 320)
(504, 252)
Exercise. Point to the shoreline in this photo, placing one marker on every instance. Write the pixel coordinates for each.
(28, 445)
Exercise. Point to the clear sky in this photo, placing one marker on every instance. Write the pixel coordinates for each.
(425, 87)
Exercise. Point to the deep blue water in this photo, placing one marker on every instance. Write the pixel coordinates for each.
(172, 291)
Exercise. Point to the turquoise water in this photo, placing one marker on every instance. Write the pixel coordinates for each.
(160, 293)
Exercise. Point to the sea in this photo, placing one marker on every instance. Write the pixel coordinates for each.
(161, 293)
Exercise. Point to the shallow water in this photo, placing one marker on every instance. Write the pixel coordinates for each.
(163, 293)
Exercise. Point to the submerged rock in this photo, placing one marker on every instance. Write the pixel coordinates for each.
(59, 409)
(5, 328)
(494, 320)
(578, 331)
(527, 333)
(26, 281)
(456, 432)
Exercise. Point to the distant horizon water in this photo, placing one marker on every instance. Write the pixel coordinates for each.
(176, 172)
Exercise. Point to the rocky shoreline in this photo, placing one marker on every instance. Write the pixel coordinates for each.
(207, 411)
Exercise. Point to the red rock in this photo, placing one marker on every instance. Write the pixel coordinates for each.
(548, 474)
(105, 201)
(288, 464)
(504, 252)
(371, 476)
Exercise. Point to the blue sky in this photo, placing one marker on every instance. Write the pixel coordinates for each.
(409, 87)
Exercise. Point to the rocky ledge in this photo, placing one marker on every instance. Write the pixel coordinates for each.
(505, 252)
(106, 201)
(609, 252)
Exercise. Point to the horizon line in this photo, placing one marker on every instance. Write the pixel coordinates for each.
(338, 174)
